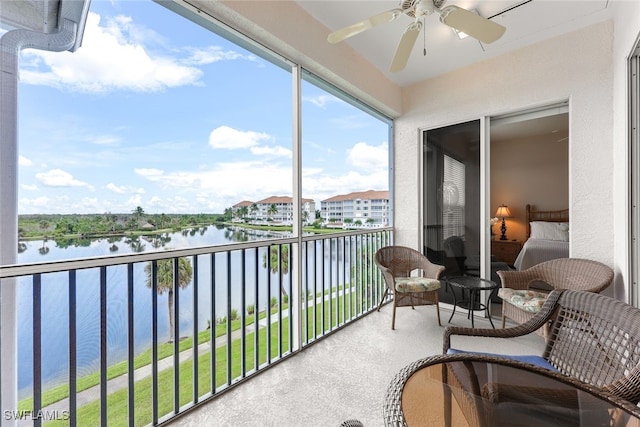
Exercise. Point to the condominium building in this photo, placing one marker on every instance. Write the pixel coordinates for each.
(368, 207)
(278, 209)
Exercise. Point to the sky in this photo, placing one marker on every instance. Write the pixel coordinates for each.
(157, 112)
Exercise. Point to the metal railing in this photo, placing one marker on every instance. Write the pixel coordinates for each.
(100, 349)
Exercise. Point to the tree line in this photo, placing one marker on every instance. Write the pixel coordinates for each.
(38, 226)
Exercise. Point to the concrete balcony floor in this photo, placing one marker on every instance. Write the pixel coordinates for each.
(345, 376)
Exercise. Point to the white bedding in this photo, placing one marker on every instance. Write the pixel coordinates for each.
(535, 251)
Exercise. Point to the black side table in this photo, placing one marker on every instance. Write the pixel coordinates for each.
(473, 285)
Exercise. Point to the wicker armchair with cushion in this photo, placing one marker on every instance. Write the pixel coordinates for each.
(593, 339)
(524, 292)
(397, 263)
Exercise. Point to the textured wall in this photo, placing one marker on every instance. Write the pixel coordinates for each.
(577, 67)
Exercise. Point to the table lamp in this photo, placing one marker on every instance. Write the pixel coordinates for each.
(503, 212)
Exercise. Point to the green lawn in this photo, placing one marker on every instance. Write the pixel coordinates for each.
(342, 306)
(164, 350)
(117, 403)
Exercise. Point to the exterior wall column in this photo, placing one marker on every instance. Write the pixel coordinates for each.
(11, 43)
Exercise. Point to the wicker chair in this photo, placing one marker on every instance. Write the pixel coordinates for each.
(593, 339)
(396, 264)
(563, 273)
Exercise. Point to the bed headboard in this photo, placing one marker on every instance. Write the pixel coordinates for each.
(549, 216)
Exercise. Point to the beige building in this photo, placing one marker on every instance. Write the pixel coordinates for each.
(278, 209)
(368, 207)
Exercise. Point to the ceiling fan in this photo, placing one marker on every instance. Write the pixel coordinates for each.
(456, 17)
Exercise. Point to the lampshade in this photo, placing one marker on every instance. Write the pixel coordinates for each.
(503, 212)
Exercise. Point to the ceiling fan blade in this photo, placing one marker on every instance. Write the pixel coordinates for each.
(405, 46)
(353, 29)
(469, 23)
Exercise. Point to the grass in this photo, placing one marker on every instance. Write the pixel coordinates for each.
(335, 311)
(58, 393)
(117, 402)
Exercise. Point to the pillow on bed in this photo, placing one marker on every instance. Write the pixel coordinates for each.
(550, 230)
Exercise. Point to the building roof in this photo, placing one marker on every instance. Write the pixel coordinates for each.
(243, 203)
(281, 199)
(363, 195)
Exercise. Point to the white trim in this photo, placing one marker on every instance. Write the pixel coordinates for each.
(633, 154)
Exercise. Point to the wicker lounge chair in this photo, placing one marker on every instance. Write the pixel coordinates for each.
(593, 339)
(397, 264)
(521, 289)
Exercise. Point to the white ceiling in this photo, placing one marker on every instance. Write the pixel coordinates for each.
(529, 22)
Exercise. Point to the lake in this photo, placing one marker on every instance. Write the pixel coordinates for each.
(55, 294)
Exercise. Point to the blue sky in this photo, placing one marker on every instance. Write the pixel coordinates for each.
(157, 112)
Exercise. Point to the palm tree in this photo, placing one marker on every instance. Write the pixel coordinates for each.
(165, 280)
(137, 216)
(254, 209)
(278, 263)
(243, 212)
(273, 209)
(163, 220)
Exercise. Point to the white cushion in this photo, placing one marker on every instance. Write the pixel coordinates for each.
(550, 230)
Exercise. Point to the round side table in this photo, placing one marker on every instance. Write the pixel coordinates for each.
(473, 285)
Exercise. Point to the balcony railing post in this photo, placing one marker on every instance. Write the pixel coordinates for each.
(130, 345)
(154, 343)
(103, 346)
(196, 341)
(37, 347)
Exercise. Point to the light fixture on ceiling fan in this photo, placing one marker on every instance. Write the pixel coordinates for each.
(456, 17)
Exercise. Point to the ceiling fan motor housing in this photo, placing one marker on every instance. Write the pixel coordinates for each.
(422, 7)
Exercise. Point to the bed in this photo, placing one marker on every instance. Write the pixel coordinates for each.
(547, 237)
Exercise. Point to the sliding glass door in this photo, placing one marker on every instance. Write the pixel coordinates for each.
(452, 195)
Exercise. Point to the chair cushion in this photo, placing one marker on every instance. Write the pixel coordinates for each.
(416, 284)
(528, 300)
(531, 359)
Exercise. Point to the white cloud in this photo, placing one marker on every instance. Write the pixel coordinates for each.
(29, 187)
(124, 189)
(111, 57)
(368, 157)
(214, 54)
(323, 186)
(235, 180)
(149, 173)
(230, 138)
(103, 139)
(276, 151)
(321, 101)
(23, 161)
(354, 121)
(92, 204)
(60, 178)
(35, 205)
(134, 201)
